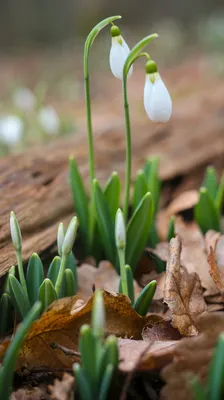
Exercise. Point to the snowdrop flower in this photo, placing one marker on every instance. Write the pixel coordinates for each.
(11, 130)
(157, 100)
(118, 53)
(49, 120)
(120, 231)
(24, 99)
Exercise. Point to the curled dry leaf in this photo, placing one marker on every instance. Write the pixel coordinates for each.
(216, 271)
(31, 393)
(182, 293)
(192, 355)
(62, 389)
(61, 324)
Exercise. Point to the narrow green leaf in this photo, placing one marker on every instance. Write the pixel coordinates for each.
(87, 346)
(151, 171)
(104, 223)
(70, 283)
(71, 265)
(138, 230)
(140, 189)
(6, 314)
(111, 352)
(144, 299)
(105, 383)
(53, 270)
(9, 363)
(112, 194)
(171, 229)
(82, 383)
(216, 371)
(80, 199)
(205, 212)
(47, 293)
(197, 388)
(211, 182)
(12, 271)
(18, 296)
(34, 277)
(220, 195)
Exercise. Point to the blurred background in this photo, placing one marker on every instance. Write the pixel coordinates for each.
(41, 51)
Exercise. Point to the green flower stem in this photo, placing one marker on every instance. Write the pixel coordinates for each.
(124, 283)
(60, 274)
(134, 54)
(21, 271)
(89, 41)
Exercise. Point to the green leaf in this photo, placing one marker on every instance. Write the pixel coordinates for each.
(6, 314)
(80, 200)
(12, 271)
(82, 383)
(220, 195)
(205, 212)
(197, 388)
(130, 284)
(105, 383)
(104, 223)
(18, 296)
(34, 277)
(112, 194)
(151, 171)
(53, 270)
(47, 293)
(140, 189)
(138, 231)
(70, 283)
(90, 351)
(171, 229)
(71, 265)
(144, 299)
(134, 53)
(211, 182)
(111, 351)
(9, 363)
(216, 371)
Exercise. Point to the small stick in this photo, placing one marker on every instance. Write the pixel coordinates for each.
(66, 351)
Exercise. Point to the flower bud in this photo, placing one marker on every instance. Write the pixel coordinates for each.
(70, 235)
(98, 314)
(60, 237)
(120, 231)
(15, 232)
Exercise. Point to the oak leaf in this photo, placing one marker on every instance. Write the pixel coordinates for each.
(182, 293)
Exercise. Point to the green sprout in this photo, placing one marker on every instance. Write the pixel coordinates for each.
(207, 211)
(22, 292)
(9, 362)
(214, 389)
(99, 356)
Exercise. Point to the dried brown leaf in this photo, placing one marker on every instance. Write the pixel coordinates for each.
(160, 331)
(62, 389)
(182, 293)
(30, 393)
(216, 271)
(192, 355)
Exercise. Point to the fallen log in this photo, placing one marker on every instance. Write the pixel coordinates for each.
(35, 184)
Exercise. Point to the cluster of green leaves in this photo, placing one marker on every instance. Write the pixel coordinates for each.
(9, 363)
(140, 229)
(22, 292)
(207, 211)
(99, 357)
(214, 389)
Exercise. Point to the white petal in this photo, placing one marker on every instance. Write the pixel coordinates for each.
(24, 99)
(160, 104)
(147, 94)
(118, 55)
(11, 130)
(49, 120)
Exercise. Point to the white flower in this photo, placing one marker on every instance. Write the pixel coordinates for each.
(157, 100)
(24, 99)
(11, 130)
(120, 231)
(118, 54)
(49, 120)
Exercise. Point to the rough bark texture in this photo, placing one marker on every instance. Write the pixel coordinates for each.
(35, 184)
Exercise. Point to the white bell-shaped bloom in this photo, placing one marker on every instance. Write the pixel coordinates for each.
(157, 100)
(24, 99)
(49, 120)
(11, 130)
(118, 55)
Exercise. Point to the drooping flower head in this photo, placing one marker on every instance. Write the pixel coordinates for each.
(118, 53)
(157, 100)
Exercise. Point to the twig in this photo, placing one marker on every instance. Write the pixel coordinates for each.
(66, 351)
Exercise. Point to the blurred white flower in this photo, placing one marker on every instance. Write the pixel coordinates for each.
(49, 120)
(118, 53)
(24, 99)
(157, 100)
(11, 130)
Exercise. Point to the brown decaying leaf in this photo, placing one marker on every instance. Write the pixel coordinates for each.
(216, 272)
(61, 324)
(192, 355)
(31, 393)
(182, 293)
(62, 389)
